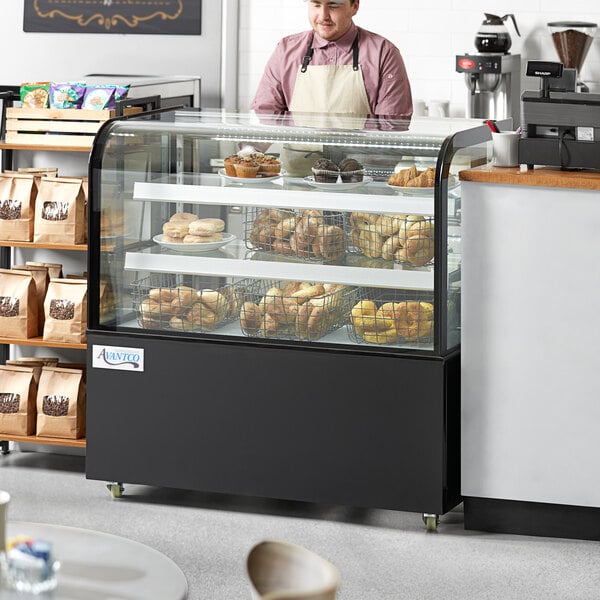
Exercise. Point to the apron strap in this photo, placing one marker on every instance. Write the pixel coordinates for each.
(308, 56)
(310, 51)
(355, 53)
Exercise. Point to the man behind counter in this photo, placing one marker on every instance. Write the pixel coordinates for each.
(336, 67)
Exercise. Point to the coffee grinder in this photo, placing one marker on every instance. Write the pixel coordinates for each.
(572, 40)
(492, 75)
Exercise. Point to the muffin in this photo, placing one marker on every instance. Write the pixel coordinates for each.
(325, 171)
(351, 170)
(269, 165)
(230, 162)
(246, 168)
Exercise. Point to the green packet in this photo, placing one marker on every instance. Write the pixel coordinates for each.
(35, 95)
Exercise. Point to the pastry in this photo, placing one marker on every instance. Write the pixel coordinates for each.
(183, 216)
(390, 246)
(246, 168)
(202, 239)
(268, 165)
(250, 318)
(419, 250)
(330, 242)
(176, 229)
(370, 242)
(229, 164)
(325, 171)
(351, 170)
(202, 227)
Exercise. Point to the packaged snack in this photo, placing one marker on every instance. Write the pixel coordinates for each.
(98, 97)
(66, 95)
(121, 91)
(35, 95)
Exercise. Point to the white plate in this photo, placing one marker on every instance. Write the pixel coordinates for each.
(250, 180)
(422, 191)
(194, 248)
(337, 186)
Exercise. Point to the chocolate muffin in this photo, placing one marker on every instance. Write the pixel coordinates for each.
(351, 170)
(325, 171)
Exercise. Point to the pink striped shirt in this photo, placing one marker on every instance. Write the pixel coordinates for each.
(386, 81)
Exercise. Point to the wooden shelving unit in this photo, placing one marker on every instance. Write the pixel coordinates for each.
(13, 244)
(14, 146)
(36, 439)
(39, 341)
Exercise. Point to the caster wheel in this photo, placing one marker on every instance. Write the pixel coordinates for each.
(4, 448)
(431, 521)
(116, 489)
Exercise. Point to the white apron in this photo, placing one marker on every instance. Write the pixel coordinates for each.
(331, 94)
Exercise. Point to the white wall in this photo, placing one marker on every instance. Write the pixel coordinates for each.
(429, 34)
(52, 56)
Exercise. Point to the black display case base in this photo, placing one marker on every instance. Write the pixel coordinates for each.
(532, 518)
(311, 424)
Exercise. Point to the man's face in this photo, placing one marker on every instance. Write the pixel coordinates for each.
(331, 20)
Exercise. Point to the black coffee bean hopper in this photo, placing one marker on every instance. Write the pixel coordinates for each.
(560, 127)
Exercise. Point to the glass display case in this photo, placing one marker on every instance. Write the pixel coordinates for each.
(275, 305)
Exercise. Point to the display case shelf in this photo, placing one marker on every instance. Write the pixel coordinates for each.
(288, 271)
(387, 201)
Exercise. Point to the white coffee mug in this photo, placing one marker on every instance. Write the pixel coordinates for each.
(438, 108)
(419, 108)
(505, 146)
(4, 502)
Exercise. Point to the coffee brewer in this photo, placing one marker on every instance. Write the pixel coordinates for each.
(492, 75)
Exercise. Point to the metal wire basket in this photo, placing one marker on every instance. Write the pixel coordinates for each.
(161, 301)
(295, 310)
(404, 239)
(397, 317)
(309, 234)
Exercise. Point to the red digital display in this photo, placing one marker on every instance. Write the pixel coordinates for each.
(466, 63)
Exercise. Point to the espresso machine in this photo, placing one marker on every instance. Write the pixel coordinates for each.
(492, 75)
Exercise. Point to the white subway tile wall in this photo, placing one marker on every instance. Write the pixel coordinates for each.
(429, 36)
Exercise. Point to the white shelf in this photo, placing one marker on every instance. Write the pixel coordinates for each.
(270, 195)
(396, 278)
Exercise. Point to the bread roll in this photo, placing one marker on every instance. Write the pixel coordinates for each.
(202, 227)
(183, 216)
(176, 229)
(250, 318)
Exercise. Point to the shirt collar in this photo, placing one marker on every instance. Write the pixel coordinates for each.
(345, 42)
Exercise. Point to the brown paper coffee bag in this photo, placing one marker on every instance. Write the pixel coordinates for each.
(54, 269)
(17, 207)
(60, 212)
(61, 403)
(36, 366)
(42, 279)
(18, 304)
(17, 400)
(65, 309)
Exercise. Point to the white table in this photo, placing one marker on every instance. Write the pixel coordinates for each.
(100, 566)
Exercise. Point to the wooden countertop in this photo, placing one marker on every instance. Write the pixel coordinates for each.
(540, 177)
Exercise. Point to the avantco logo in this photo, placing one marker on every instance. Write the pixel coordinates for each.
(116, 357)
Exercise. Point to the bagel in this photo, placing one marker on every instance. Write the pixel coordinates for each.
(250, 318)
(390, 246)
(388, 336)
(419, 250)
